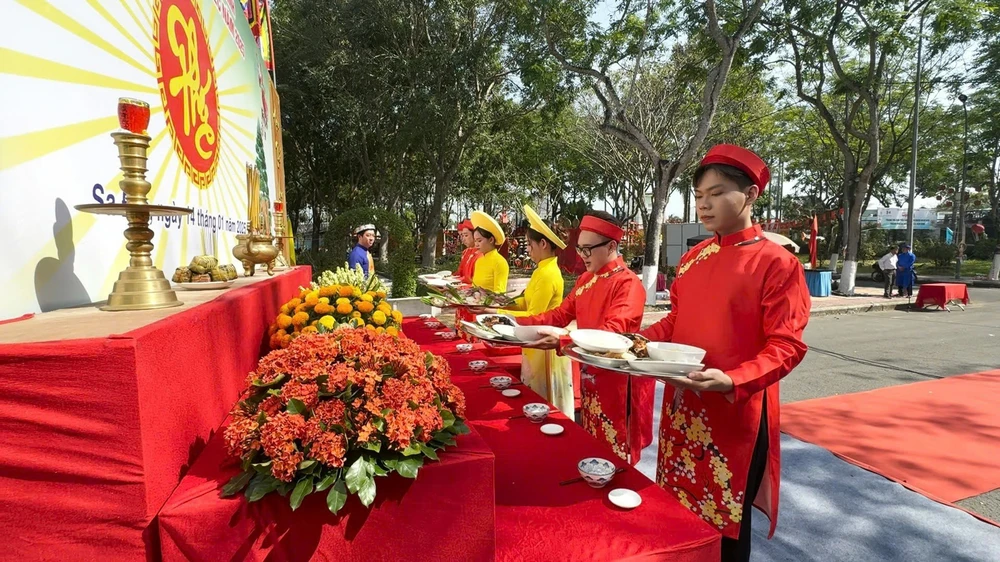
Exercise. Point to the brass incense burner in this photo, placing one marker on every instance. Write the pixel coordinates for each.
(257, 247)
(140, 286)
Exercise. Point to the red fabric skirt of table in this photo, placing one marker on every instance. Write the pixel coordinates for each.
(97, 432)
(941, 294)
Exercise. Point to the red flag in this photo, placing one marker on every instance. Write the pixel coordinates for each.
(812, 243)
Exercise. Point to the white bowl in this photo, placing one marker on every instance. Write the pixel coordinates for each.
(446, 335)
(535, 411)
(463, 347)
(500, 382)
(433, 324)
(597, 473)
(599, 340)
(479, 365)
(675, 352)
(535, 333)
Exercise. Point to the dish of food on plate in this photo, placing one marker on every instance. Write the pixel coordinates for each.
(491, 320)
(639, 344)
(204, 269)
(465, 296)
(606, 358)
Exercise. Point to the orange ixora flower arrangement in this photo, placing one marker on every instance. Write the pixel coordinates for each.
(330, 307)
(333, 410)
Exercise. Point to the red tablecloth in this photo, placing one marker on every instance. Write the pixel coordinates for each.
(536, 519)
(941, 294)
(447, 513)
(97, 432)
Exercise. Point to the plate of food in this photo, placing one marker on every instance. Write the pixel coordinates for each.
(606, 358)
(204, 273)
(465, 296)
(478, 331)
(600, 341)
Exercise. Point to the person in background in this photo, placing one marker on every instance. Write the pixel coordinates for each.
(608, 296)
(904, 269)
(888, 266)
(744, 300)
(543, 293)
(361, 254)
(491, 269)
(467, 264)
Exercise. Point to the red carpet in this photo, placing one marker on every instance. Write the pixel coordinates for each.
(938, 438)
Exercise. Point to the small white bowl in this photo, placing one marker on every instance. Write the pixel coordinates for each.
(600, 340)
(552, 429)
(674, 352)
(433, 324)
(535, 333)
(624, 498)
(536, 411)
(446, 335)
(463, 347)
(426, 316)
(501, 382)
(477, 366)
(511, 392)
(597, 473)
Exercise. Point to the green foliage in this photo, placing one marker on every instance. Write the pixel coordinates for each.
(938, 252)
(982, 250)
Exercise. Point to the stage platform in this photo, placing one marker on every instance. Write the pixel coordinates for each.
(103, 413)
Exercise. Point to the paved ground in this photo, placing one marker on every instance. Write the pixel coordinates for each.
(858, 352)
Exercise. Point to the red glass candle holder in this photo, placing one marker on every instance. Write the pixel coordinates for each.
(133, 115)
(279, 206)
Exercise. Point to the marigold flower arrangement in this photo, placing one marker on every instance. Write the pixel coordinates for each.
(334, 410)
(330, 307)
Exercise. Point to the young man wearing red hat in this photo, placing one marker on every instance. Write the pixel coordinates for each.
(744, 300)
(615, 408)
(467, 265)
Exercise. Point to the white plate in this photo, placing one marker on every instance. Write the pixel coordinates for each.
(552, 429)
(511, 392)
(600, 340)
(204, 285)
(434, 282)
(481, 318)
(624, 498)
(664, 367)
(534, 333)
(506, 332)
(605, 361)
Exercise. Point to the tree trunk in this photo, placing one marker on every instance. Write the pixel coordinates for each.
(687, 205)
(654, 229)
(432, 225)
(317, 217)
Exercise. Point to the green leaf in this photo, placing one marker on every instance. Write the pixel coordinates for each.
(461, 427)
(236, 484)
(296, 406)
(411, 450)
(327, 481)
(302, 489)
(380, 424)
(337, 497)
(356, 475)
(377, 468)
(374, 446)
(408, 468)
(260, 486)
(277, 381)
(428, 452)
(306, 464)
(390, 463)
(366, 493)
(262, 467)
(448, 418)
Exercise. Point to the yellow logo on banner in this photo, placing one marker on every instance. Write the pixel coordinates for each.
(186, 77)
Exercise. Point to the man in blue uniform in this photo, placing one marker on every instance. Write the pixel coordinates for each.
(361, 254)
(904, 270)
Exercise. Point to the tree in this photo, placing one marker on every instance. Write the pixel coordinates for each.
(715, 31)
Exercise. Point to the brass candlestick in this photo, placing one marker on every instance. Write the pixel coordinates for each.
(140, 286)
